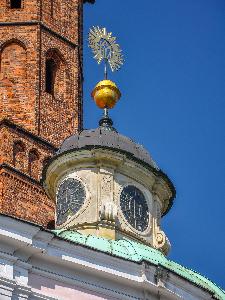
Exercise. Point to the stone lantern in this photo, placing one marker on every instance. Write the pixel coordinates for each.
(106, 185)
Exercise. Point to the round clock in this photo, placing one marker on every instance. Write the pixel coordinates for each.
(134, 207)
(70, 197)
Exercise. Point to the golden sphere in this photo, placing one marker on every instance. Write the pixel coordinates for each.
(106, 94)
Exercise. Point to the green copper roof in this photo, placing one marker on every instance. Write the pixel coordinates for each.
(137, 252)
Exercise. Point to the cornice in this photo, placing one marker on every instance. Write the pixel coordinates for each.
(92, 149)
(44, 244)
(21, 130)
(43, 26)
(20, 174)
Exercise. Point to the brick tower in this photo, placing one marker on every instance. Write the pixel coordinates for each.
(40, 97)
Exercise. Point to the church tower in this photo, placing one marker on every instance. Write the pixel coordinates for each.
(40, 97)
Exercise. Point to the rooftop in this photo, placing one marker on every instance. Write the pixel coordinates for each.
(136, 252)
(107, 138)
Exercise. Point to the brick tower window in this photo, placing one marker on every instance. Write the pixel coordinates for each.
(13, 61)
(15, 3)
(19, 156)
(33, 164)
(51, 68)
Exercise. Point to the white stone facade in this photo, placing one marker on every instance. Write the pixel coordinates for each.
(35, 264)
(104, 173)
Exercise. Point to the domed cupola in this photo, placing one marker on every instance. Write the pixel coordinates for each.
(107, 185)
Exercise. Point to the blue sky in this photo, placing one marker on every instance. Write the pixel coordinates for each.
(173, 102)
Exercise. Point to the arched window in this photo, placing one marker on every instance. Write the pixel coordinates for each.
(33, 164)
(50, 74)
(19, 156)
(13, 60)
(15, 3)
(55, 74)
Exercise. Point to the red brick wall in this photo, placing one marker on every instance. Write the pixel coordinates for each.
(19, 75)
(24, 199)
(30, 11)
(37, 121)
(59, 114)
(62, 17)
(17, 148)
(24, 48)
(22, 158)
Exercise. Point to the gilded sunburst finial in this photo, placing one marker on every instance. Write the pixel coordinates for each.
(105, 48)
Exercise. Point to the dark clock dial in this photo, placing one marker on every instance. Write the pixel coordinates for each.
(70, 197)
(134, 207)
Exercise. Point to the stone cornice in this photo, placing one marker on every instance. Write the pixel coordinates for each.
(60, 255)
(118, 157)
(77, 258)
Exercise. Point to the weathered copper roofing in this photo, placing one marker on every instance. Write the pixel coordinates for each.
(137, 252)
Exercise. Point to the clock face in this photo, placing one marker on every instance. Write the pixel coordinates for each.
(70, 197)
(134, 207)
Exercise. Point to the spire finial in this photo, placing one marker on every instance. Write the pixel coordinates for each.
(106, 50)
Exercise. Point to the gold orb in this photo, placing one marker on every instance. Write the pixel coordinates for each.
(106, 94)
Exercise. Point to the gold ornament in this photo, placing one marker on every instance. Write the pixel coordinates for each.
(106, 94)
(105, 48)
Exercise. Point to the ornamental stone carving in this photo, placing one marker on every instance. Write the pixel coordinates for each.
(108, 212)
(160, 241)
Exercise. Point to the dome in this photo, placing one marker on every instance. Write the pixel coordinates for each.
(104, 138)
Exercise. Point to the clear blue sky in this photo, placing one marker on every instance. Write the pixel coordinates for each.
(173, 86)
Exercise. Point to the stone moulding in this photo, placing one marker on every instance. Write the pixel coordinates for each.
(134, 266)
